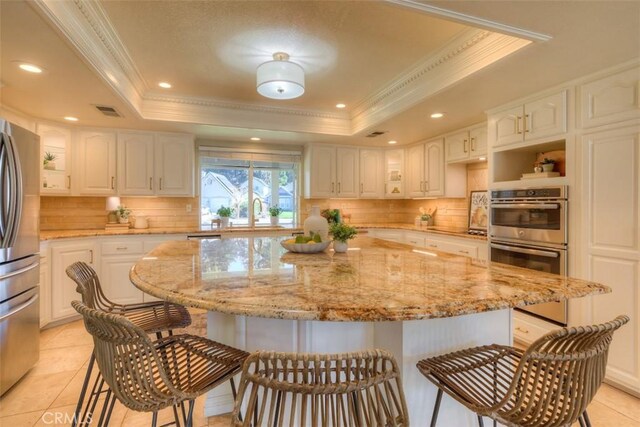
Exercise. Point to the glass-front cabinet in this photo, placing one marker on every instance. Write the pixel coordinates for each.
(394, 173)
(55, 144)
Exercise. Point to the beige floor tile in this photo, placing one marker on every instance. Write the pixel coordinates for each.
(619, 401)
(60, 416)
(62, 359)
(34, 392)
(71, 335)
(71, 392)
(20, 420)
(220, 421)
(602, 416)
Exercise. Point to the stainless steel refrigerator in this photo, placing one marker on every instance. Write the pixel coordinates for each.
(19, 246)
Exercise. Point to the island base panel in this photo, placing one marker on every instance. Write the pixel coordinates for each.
(410, 341)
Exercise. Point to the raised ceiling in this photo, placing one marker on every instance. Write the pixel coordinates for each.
(392, 63)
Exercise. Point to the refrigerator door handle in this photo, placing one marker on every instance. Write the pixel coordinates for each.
(22, 270)
(15, 215)
(20, 307)
(4, 172)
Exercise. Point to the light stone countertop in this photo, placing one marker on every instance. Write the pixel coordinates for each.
(375, 280)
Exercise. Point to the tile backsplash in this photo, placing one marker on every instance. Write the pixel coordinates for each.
(68, 213)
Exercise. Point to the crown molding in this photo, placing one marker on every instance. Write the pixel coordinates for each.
(472, 20)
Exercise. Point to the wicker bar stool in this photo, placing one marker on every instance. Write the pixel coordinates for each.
(549, 384)
(153, 317)
(320, 390)
(147, 375)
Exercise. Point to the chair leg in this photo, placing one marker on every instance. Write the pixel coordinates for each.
(480, 422)
(190, 416)
(581, 421)
(154, 419)
(436, 408)
(587, 421)
(83, 392)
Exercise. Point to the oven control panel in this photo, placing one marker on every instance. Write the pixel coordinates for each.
(530, 193)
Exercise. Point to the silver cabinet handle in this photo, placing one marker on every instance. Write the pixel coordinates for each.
(69, 182)
(473, 146)
(463, 252)
(333, 187)
(433, 245)
(20, 307)
(519, 250)
(361, 188)
(150, 183)
(113, 182)
(524, 120)
(338, 188)
(545, 206)
(122, 248)
(91, 254)
(519, 329)
(518, 131)
(160, 183)
(385, 188)
(464, 145)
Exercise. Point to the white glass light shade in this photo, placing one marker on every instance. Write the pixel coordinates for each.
(112, 203)
(280, 79)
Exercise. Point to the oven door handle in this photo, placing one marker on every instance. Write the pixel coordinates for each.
(547, 254)
(525, 206)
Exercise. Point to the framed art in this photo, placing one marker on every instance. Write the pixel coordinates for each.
(478, 210)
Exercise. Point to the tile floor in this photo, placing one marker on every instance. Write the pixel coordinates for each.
(51, 388)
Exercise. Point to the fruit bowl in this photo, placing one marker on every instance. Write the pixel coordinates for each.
(306, 248)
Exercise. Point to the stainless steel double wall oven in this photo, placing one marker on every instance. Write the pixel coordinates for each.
(528, 228)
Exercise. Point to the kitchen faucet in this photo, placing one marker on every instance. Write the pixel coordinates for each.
(257, 199)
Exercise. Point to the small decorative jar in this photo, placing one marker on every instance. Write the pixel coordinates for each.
(274, 220)
(224, 221)
(316, 223)
(340, 247)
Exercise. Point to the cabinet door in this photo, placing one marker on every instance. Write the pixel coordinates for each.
(394, 174)
(114, 277)
(505, 127)
(478, 142)
(611, 165)
(611, 99)
(55, 143)
(546, 117)
(371, 173)
(457, 146)
(434, 168)
(415, 171)
(323, 171)
(96, 163)
(174, 169)
(135, 164)
(63, 289)
(347, 173)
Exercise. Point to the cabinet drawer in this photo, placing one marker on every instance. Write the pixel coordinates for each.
(527, 331)
(415, 239)
(453, 248)
(112, 248)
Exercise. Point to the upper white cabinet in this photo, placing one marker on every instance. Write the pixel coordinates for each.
(55, 143)
(331, 172)
(394, 172)
(95, 163)
(174, 165)
(466, 145)
(611, 99)
(425, 169)
(542, 118)
(135, 163)
(371, 173)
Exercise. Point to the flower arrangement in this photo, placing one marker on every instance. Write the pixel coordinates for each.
(48, 160)
(123, 212)
(547, 161)
(275, 210)
(424, 215)
(342, 232)
(225, 212)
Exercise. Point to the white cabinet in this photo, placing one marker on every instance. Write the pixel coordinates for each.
(95, 163)
(135, 163)
(542, 118)
(116, 259)
(63, 289)
(347, 172)
(610, 99)
(394, 173)
(610, 214)
(331, 172)
(55, 143)
(425, 169)
(454, 246)
(466, 145)
(371, 173)
(45, 287)
(174, 165)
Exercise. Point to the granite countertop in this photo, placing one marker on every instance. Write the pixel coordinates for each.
(69, 234)
(375, 280)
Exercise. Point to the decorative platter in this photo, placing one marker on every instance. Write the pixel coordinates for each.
(306, 248)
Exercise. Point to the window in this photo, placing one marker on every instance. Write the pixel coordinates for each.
(227, 177)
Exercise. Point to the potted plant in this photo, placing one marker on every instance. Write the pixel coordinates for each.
(48, 162)
(224, 213)
(332, 215)
(547, 164)
(123, 214)
(341, 232)
(274, 211)
(426, 218)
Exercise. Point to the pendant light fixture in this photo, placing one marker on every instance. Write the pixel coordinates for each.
(280, 78)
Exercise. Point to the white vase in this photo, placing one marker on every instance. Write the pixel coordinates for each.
(548, 167)
(274, 220)
(316, 223)
(224, 221)
(340, 246)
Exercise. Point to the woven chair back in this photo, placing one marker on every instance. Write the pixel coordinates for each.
(128, 361)
(559, 375)
(88, 285)
(319, 390)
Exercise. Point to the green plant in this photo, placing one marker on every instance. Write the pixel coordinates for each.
(342, 232)
(225, 212)
(49, 157)
(332, 215)
(547, 161)
(123, 212)
(425, 217)
(275, 210)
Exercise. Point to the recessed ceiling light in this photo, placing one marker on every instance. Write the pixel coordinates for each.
(30, 68)
(164, 85)
(437, 115)
(392, 142)
(71, 118)
(340, 105)
(255, 138)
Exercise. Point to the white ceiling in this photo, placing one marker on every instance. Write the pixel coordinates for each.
(353, 52)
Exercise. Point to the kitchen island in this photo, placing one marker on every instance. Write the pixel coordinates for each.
(412, 302)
